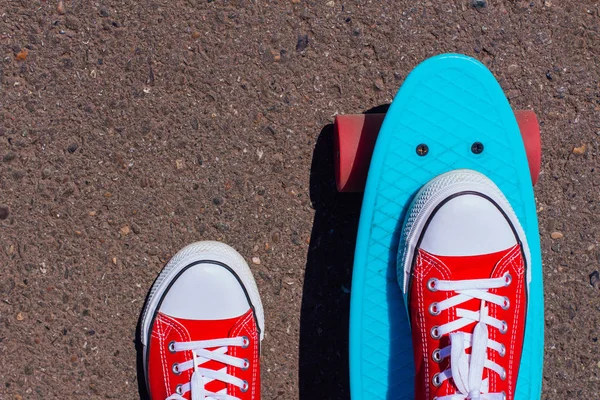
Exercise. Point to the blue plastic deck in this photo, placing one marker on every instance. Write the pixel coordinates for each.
(448, 102)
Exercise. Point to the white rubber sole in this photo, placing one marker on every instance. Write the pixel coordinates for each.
(430, 196)
(206, 250)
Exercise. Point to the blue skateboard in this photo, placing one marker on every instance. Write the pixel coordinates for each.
(450, 113)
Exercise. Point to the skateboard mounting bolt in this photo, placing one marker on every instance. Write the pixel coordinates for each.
(477, 148)
(422, 149)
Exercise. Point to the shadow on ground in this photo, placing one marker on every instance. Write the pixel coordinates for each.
(323, 366)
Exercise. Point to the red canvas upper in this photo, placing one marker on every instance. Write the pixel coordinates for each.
(162, 381)
(454, 268)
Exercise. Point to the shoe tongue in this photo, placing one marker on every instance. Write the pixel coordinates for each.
(472, 267)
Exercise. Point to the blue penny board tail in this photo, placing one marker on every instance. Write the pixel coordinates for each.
(448, 102)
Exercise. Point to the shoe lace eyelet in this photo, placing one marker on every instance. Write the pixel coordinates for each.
(437, 356)
(436, 380)
(434, 309)
(504, 327)
(507, 279)
(503, 375)
(435, 333)
(246, 342)
(506, 304)
(176, 369)
(502, 350)
(172, 347)
(244, 387)
(503, 395)
(432, 284)
(179, 389)
(246, 364)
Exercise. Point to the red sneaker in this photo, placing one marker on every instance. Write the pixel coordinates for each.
(462, 266)
(202, 326)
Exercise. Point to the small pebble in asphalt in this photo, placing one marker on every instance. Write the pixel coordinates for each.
(72, 148)
(302, 43)
(136, 228)
(479, 4)
(256, 260)
(579, 150)
(556, 235)
(3, 212)
(595, 279)
(22, 55)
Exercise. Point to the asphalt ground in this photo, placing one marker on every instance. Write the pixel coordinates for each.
(129, 129)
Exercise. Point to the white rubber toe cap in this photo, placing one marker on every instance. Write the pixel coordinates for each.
(205, 291)
(459, 213)
(467, 225)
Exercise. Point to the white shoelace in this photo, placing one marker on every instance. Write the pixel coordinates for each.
(202, 376)
(466, 370)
